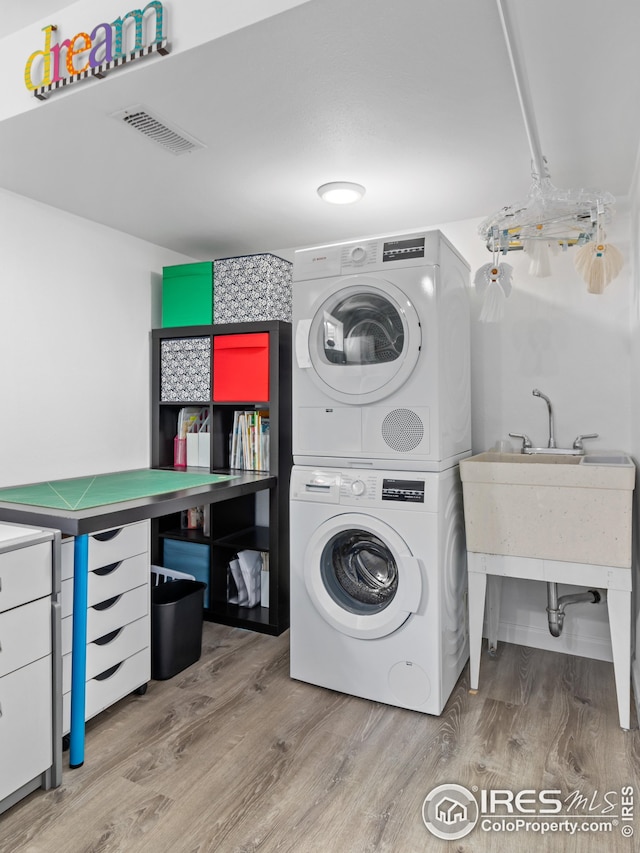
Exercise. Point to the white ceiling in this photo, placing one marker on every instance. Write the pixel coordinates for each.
(415, 99)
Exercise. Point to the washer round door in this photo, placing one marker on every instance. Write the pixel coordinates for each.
(364, 340)
(361, 576)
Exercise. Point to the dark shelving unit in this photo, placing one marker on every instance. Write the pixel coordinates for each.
(233, 522)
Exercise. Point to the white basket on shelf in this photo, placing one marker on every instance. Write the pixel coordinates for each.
(159, 575)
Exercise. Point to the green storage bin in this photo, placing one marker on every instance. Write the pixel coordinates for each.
(187, 295)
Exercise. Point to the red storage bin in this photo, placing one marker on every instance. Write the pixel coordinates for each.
(241, 367)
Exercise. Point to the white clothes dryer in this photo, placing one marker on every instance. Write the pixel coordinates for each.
(378, 584)
(381, 368)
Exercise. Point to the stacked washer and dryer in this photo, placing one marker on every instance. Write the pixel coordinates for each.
(381, 418)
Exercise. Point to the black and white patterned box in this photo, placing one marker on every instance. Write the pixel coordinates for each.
(185, 370)
(252, 287)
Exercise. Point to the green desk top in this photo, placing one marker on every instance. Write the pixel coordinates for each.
(90, 504)
(87, 492)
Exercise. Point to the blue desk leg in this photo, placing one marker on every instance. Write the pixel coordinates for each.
(79, 650)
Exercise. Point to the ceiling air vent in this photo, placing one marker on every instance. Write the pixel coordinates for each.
(157, 130)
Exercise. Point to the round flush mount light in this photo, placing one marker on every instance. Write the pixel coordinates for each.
(341, 192)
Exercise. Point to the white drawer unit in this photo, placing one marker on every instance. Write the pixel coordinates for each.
(109, 546)
(118, 653)
(30, 662)
(26, 743)
(25, 574)
(109, 650)
(119, 680)
(25, 634)
(108, 615)
(109, 581)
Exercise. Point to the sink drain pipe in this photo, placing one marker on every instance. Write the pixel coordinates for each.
(556, 606)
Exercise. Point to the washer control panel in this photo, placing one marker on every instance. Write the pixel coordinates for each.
(411, 491)
(359, 484)
(369, 487)
(362, 487)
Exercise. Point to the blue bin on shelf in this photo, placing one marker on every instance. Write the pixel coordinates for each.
(189, 557)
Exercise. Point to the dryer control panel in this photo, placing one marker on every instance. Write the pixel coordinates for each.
(371, 252)
(403, 250)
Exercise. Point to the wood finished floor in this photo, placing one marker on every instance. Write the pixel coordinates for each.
(233, 756)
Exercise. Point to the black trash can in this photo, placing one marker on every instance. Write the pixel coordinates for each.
(176, 626)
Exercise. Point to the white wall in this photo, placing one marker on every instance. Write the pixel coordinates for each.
(572, 345)
(78, 302)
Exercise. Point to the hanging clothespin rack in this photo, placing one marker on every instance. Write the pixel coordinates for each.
(559, 218)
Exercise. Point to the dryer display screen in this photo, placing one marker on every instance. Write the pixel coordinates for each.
(402, 250)
(403, 490)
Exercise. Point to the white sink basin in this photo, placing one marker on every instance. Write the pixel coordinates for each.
(555, 507)
(613, 459)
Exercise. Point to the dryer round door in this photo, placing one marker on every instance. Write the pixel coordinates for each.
(361, 576)
(364, 340)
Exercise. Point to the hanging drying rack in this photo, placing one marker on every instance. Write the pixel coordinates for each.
(566, 219)
(559, 217)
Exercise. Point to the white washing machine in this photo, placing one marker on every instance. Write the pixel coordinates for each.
(378, 584)
(381, 367)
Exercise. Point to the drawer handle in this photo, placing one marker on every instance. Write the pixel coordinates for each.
(107, 535)
(107, 638)
(106, 570)
(0, 709)
(105, 605)
(108, 672)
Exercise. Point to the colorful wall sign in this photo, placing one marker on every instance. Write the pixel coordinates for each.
(95, 53)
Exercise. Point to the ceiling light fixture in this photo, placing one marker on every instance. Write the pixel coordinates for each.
(341, 192)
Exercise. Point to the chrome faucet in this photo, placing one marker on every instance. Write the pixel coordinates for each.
(578, 445)
(552, 436)
(527, 445)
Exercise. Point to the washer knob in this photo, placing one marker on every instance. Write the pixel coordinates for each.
(358, 488)
(358, 254)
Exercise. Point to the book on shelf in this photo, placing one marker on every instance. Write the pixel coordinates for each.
(264, 579)
(244, 578)
(249, 441)
(193, 428)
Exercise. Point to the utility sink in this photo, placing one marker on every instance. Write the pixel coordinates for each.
(550, 506)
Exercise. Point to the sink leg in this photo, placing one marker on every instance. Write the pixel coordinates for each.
(619, 605)
(477, 592)
(493, 611)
